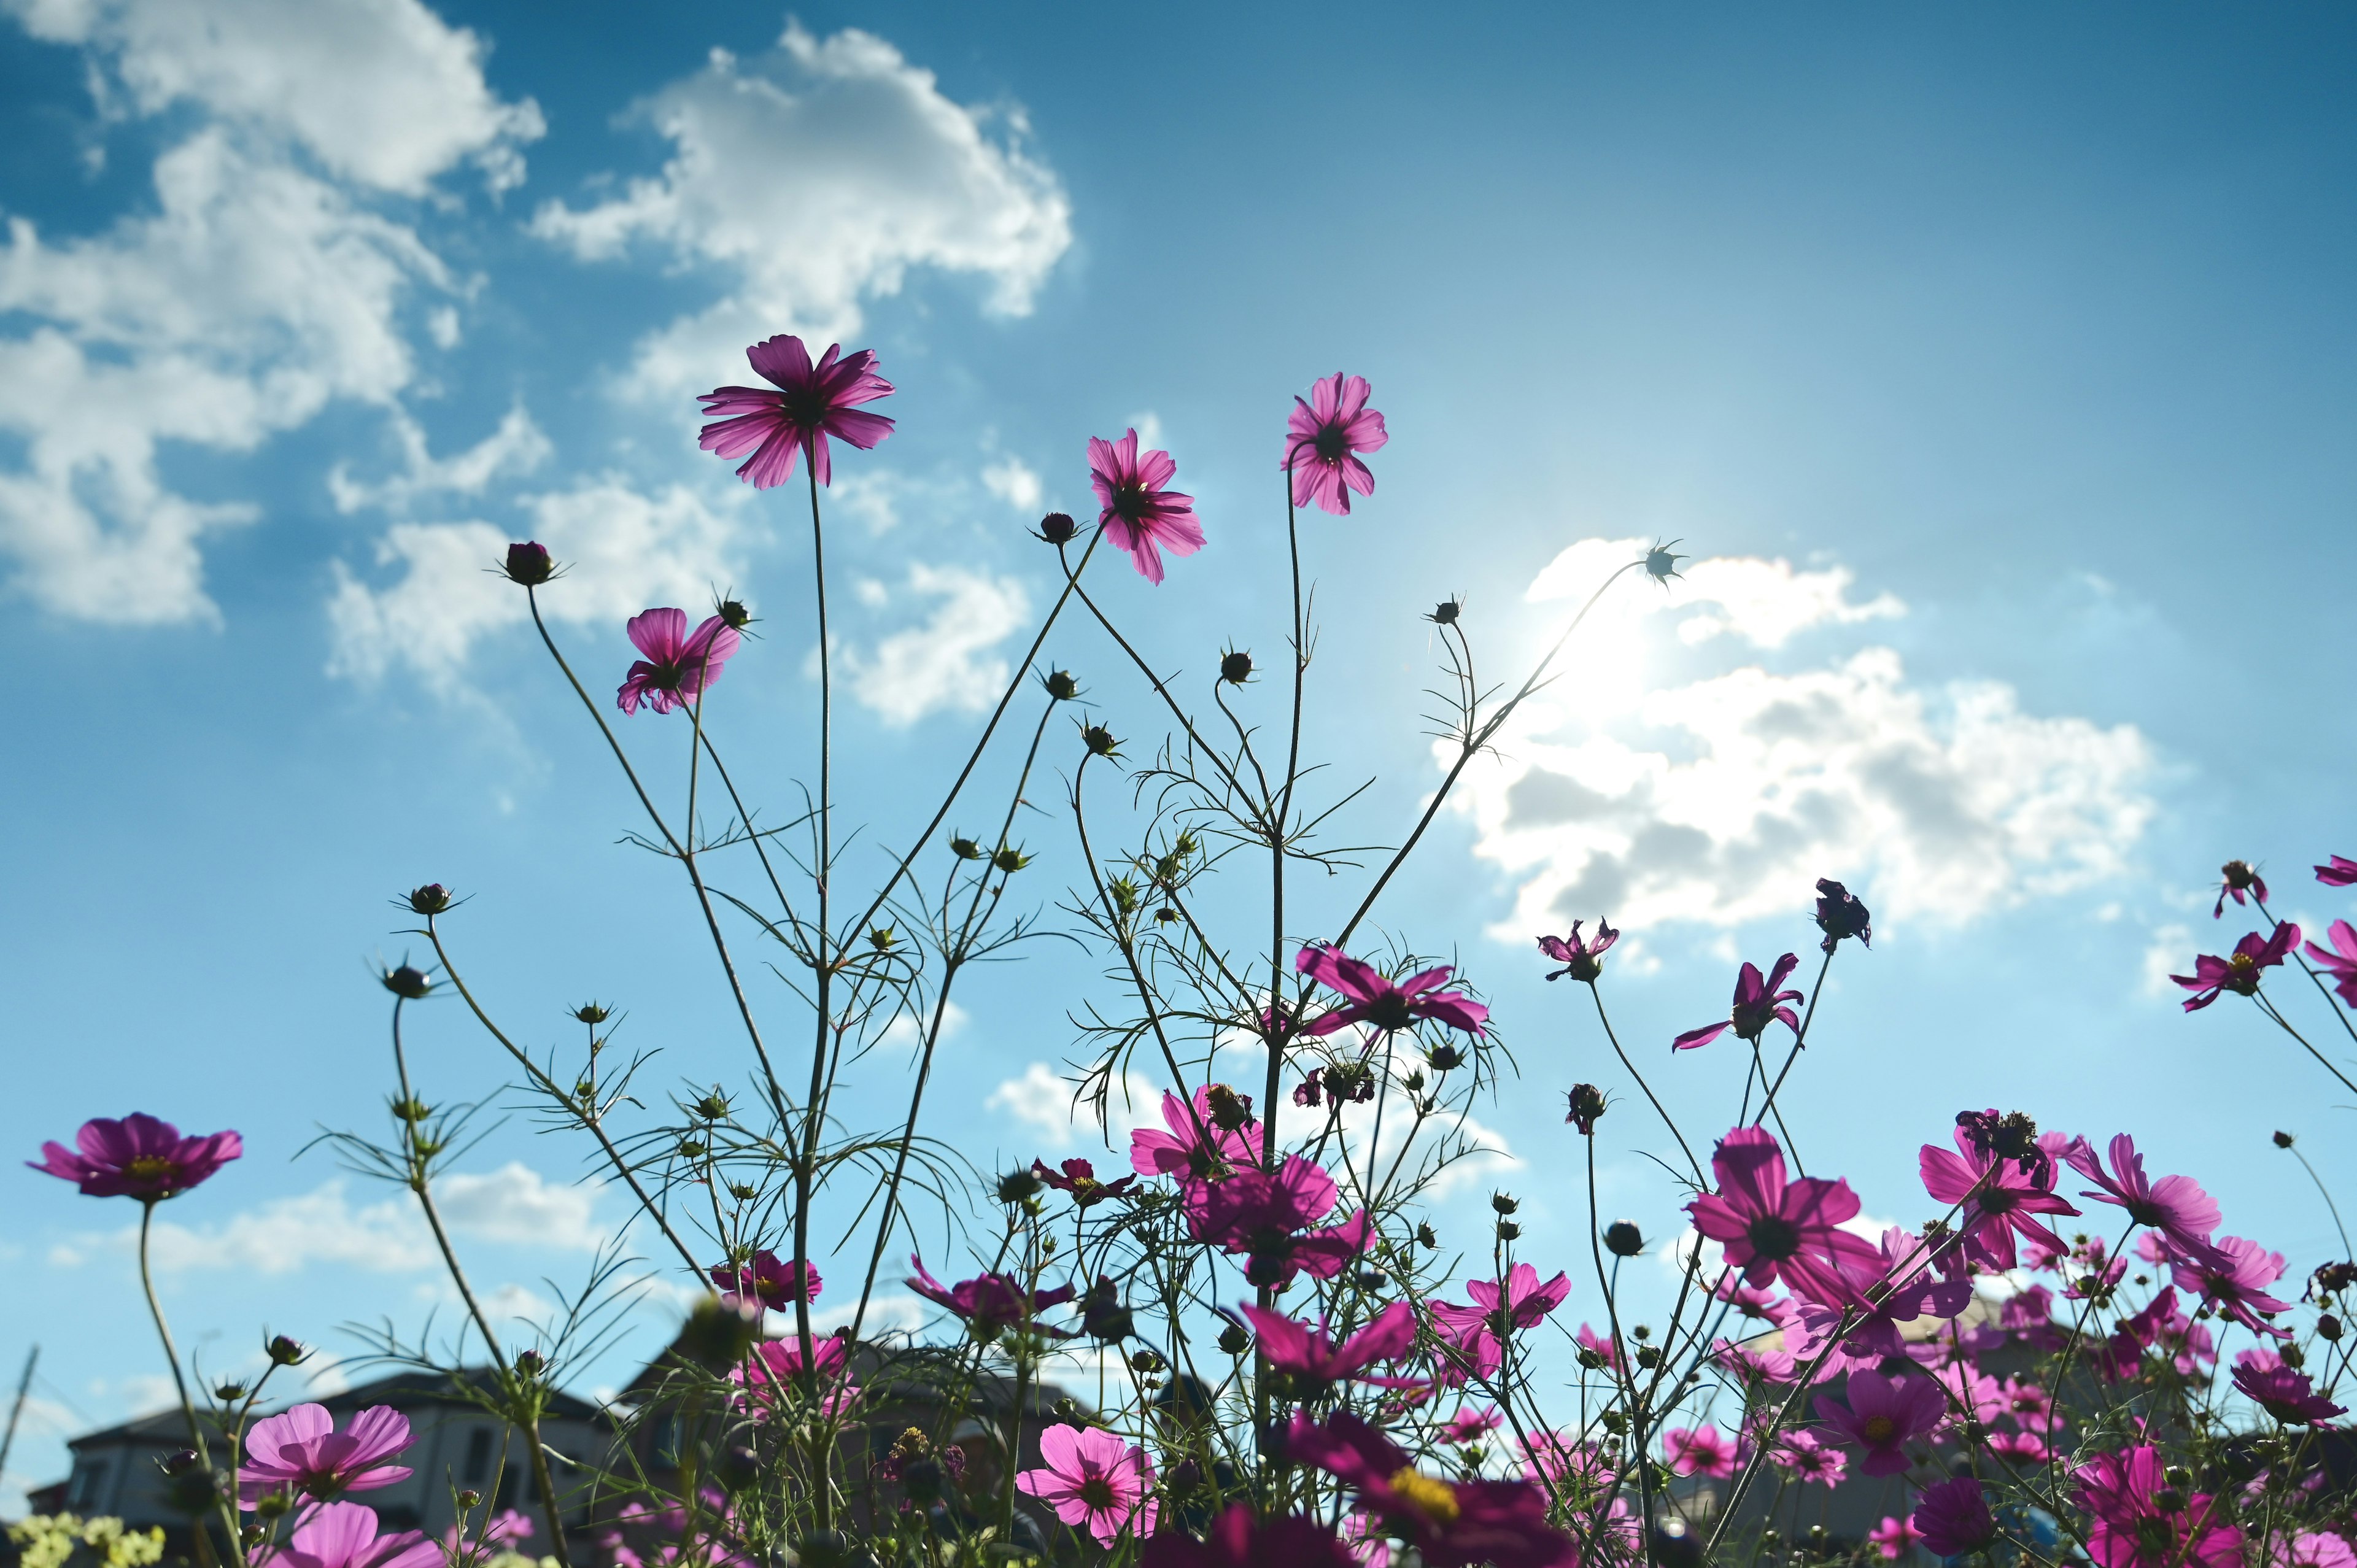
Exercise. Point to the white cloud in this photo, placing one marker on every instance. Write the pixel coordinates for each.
(623, 551)
(1763, 601)
(517, 1204)
(1945, 804)
(942, 663)
(907, 1031)
(812, 179)
(1013, 482)
(2171, 952)
(1041, 1100)
(381, 92)
(517, 446)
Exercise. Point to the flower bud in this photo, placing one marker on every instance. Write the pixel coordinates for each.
(177, 1463)
(1100, 741)
(882, 938)
(2294, 1357)
(284, 1352)
(713, 1107)
(1062, 685)
(272, 1505)
(1235, 667)
(1017, 1186)
(1508, 1230)
(253, 1535)
(1661, 563)
(529, 565)
(964, 848)
(2283, 1140)
(1649, 1357)
(718, 1331)
(2177, 1476)
(1622, 1239)
(1446, 612)
(1147, 1361)
(531, 1363)
(470, 1499)
(2328, 1328)
(431, 899)
(229, 1392)
(1503, 1204)
(733, 614)
(1058, 528)
(2169, 1499)
(1587, 1106)
(1234, 1339)
(1427, 1236)
(1010, 861)
(1445, 1057)
(406, 982)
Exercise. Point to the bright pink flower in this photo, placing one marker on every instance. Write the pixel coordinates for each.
(1564, 1458)
(1470, 1425)
(1601, 1347)
(2232, 1279)
(138, 1157)
(2028, 1404)
(1810, 1458)
(1480, 1329)
(812, 403)
(1385, 1003)
(1701, 1450)
(2340, 960)
(989, 1303)
(1954, 1518)
(776, 1285)
(301, 1451)
(2019, 1447)
(2285, 1393)
(1997, 1211)
(1758, 1004)
(1884, 1415)
(1756, 1361)
(2175, 1204)
(1774, 1228)
(1142, 517)
(1894, 1286)
(1308, 1354)
(1262, 1216)
(1979, 1396)
(1197, 1148)
(1241, 1539)
(1093, 1478)
(2235, 879)
(773, 1373)
(1748, 1300)
(1078, 1177)
(2239, 971)
(2314, 1548)
(1451, 1524)
(1581, 960)
(2141, 1522)
(2340, 872)
(1894, 1538)
(500, 1531)
(344, 1535)
(1323, 437)
(679, 664)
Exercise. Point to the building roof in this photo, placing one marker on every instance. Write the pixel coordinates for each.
(409, 1389)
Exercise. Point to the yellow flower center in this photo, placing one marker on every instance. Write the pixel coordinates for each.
(1878, 1428)
(1434, 1500)
(148, 1167)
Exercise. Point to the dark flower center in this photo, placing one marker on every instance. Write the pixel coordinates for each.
(150, 1167)
(1878, 1428)
(1097, 1492)
(1331, 443)
(2156, 1535)
(1389, 1011)
(1131, 500)
(1999, 1201)
(1773, 1236)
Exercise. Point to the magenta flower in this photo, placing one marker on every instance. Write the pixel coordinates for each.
(138, 1157)
(1197, 1148)
(1386, 1005)
(1580, 959)
(2232, 1278)
(1757, 1361)
(774, 1370)
(2314, 1548)
(2340, 960)
(1998, 1196)
(1094, 1480)
(1479, 1330)
(2340, 872)
(2282, 1392)
(1323, 438)
(1078, 1177)
(1884, 1415)
(1242, 1538)
(989, 1303)
(301, 1451)
(1450, 1524)
(776, 1285)
(810, 404)
(1758, 1004)
(1840, 914)
(1774, 1228)
(1309, 1356)
(2235, 879)
(1133, 506)
(2019, 1447)
(2239, 971)
(1954, 1518)
(1262, 1216)
(1893, 1538)
(2175, 1205)
(1704, 1450)
(1896, 1287)
(1470, 1425)
(1600, 1347)
(344, 1535)
(1807, 1457)
(2141, 1522)
(2028, 1404)
(678, 664)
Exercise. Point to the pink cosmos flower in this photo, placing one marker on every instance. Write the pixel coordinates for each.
(776, 1285)
(1748, 1300)
(1262, 1216)
(1196, 1148)
(1581, 960)
(1385, 1003)
(1308, 1354)
(2340, 872)
(2030, 1405)
(1564, 1458)
(1894, 1538)
(1954, 1518)
(1810, 1458)
(2234, 1279)
(2340, 960)
(2019, 1447)
(810, 404)
(301, 1451)
(1323, 438)
(773, 1374)
(1701, 1450)
(1078, 1177)
(1451, 1524)
(1884, 1415)
(502, 1530)
(344, 1535)
(1142, 517)
(1242, 1538)
(1970, 1390)
(138, 1157)
(1774, 1229)
(2141, 1522)
(2002, 1207)
(1470, 1425)
(2235, 879)
(2175, 1205)
(989, 1303)
(2238, 971)
(1093, 1478)
(679, 664)
(1478, 1330)
(2314, 1548)
(1758, 1004)
(1756, 1360)
(2282, 1392)
(1895, 1286)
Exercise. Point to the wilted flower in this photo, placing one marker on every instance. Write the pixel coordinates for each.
(1586, 1106)
(138, 1157)
(1839, 915)
(1323, 438)
(1141, 516)
(810, 404)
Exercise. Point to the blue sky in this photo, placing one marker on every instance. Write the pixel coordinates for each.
(1998, 365)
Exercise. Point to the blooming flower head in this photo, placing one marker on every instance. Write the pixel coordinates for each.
(1884, 1415)
(1998, 1194)
(1954, 1518)
(2239, 971)
(1323, 439)
(1759, 1360)
(1133, 507)
(1385, 1004)
(1704, 1450)
(1598, 1349)
(1078, 1177)
(2232, 1279)
(1894, 1538)
(2340, 960)
(1310, 1357)
(1196, 1148)
(1470, 1425)
(2282, 1392)
(1810, 1458)
(1262, 1216)
(679, 664)
(1093, 1480)
(344, 1535)
(1873, 1297)
(2142, 1521)
(1581, 960)
(774, 1370)
(2019, 1447)
(302, 1451)
(774, 1284)
(1477, 1332)
(502, 1530)
(138, 1157)
(1772, 1227)
(2028, 1404)
(1242, 1538)
(1758, 1004)
(1451, 1524)
(2314, 1548)
(810, 404)
(1839, 915)
(2340, 872)
(2235, 879)
(2175, 1205)
(989, 1303)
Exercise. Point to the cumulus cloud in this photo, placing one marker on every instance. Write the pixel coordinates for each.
(1012, 481)
(943, 663)
(436, 597)
(812, 179)
(517, 446)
